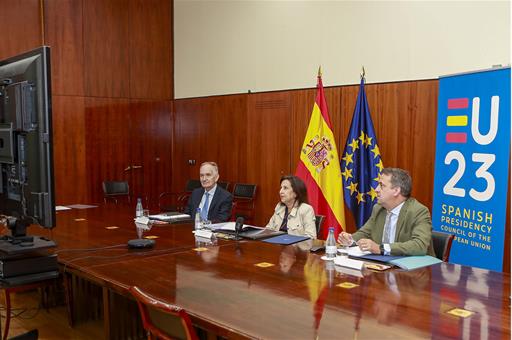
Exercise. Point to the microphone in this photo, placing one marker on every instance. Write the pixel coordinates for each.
(238, 225)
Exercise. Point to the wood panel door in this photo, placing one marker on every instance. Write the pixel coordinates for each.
(129, 141)
(109, 153)
(150, 149)
(268, 138)
(69, 150)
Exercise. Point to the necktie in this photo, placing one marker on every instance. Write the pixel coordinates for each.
(387, 229)
(204, 211)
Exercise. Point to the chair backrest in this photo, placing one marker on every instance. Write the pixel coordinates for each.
(223, 185)
(319, 220)
(442, 243)
(244, 197)
(163, 320)
(173, 201)
(114, 189)
(246, 191)
(192, 184)
(177, 201)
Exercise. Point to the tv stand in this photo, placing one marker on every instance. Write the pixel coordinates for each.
(18, 225)
(19, 242)
(13, 246)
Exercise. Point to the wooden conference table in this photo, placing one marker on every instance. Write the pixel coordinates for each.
(229, 288)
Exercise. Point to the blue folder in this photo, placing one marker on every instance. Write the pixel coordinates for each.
(286, 239)
(404, 262)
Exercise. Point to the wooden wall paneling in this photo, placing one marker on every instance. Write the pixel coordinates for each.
(268, 148)
(150, 51)
(106, 48)
(107, 123)
(63, 33)
(210, 129)
(151, 136)
(69, 150)
(188, 126)
(21, 27)
(226, 137)
(383, 103)
(424, 141)
(404, 110)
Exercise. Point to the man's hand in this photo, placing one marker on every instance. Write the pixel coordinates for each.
(365, 244)
(345, 239)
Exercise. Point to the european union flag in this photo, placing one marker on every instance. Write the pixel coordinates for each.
(361, 163)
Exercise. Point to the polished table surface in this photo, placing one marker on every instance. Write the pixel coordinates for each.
(298, 296)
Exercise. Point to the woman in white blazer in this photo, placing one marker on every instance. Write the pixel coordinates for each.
(293, 214)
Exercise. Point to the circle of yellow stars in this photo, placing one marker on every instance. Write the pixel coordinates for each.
(363, 141)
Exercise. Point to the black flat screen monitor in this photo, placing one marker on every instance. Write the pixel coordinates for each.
(26, 162)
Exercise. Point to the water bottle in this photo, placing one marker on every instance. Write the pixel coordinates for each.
(197, 220)
(139, 211)
(329, 268)
(330, 245)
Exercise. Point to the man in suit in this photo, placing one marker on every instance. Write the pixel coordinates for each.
(398, 225)
(215, 203)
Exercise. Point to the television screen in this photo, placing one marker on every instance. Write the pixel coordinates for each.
(26, 162)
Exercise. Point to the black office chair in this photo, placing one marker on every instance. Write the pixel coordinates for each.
(223, 185)
(442, 244)
(192, 184)
(177, 201)
(244, 198)
(319, 220)
(115, 189)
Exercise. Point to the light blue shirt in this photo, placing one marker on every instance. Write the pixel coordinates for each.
(392, 232)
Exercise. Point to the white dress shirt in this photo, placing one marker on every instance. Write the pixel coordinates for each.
(392, 231)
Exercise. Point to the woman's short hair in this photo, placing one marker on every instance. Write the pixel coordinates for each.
(298, 187)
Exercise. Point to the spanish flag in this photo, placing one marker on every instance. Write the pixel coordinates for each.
(319, 167)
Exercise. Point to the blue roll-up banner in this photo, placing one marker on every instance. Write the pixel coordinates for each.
(471, 168)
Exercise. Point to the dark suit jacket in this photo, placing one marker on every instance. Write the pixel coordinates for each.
(220, 205)
(413, 229)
